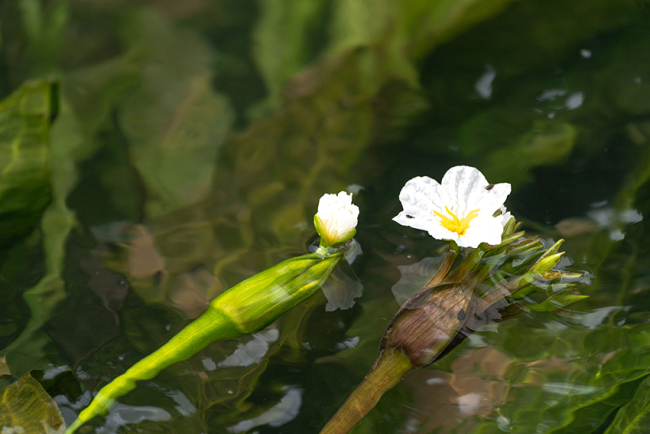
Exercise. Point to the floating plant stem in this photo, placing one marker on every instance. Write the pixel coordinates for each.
(247, 307)
(448, 309)
(438, 317)
(387, 371)
(418, 333)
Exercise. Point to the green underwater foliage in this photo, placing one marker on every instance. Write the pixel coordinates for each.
(155, 154)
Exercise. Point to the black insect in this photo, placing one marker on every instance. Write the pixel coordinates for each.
(409, 216)
(489, 187)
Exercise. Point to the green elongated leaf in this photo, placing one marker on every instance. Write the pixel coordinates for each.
(401, 32)
(281, 54)
(44, 25)
(25, 190)
(26, 407)
(634, 417)
(558, 301)
(57, 222)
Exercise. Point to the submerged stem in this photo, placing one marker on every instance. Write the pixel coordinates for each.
(388, 370)
(211, 326)
(245, 308)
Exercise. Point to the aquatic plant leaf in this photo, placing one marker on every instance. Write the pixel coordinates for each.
(539, 143)
(412, 28)
(61, 383)
(286, 38)
(557, 302)
(26, 406)
(174, 120)
(570, 381)
(634, 417)
(56, 224)
(25, 190)
(284, 42)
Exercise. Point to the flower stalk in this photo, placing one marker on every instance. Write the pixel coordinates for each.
(454, 304)
(246, 308)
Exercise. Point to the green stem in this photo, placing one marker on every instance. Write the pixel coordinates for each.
(245, 308)
(209, 327)
(387, 372)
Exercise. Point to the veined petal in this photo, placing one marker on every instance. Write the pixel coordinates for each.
(417, 198)
(469, 189)
(461, 208)
(464, 185)
(494, 198)
(484, 229)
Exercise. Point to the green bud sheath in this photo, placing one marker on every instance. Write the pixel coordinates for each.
(245, 308)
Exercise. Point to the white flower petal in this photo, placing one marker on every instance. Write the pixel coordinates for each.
(338, 215)
(416, 197)
(461, 208)
(464, 185)
(491, 200)
(484, 229)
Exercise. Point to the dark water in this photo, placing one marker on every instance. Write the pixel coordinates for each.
(191, 145)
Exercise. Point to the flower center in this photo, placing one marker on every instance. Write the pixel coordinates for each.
(454, 224)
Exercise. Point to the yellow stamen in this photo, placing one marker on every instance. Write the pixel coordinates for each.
(454, 224)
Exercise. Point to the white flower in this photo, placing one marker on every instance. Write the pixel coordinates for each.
(460, 209)
(336, 219)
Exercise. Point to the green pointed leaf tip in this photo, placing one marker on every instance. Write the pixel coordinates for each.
(556, 302)
(25, 191)
(25, 407)
(245, 308)
(546, 263)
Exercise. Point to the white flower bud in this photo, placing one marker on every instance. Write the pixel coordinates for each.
(336, 219)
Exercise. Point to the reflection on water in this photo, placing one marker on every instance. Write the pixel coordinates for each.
(285, 411)
(252, 351)
(121, 415)
(192, 144)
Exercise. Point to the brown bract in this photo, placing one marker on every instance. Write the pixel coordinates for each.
(428, 322)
